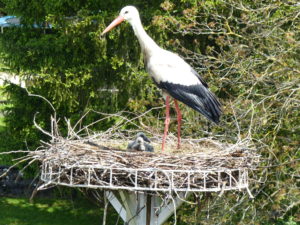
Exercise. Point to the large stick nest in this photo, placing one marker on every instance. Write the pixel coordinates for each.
(104, 161)
(205, 155)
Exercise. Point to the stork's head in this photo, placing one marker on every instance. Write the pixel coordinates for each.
(128, 13)
(143, 136)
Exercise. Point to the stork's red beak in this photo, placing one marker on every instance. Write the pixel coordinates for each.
(114, 23)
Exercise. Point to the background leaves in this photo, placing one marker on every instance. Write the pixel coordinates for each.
(248, 52)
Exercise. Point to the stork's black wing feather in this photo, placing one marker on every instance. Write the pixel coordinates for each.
(199, 77)
(198, 97)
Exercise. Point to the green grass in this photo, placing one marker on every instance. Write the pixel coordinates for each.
(18, 211)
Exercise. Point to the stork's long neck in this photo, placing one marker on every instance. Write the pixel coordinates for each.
(147, 44)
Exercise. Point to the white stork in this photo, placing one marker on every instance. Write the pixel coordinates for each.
(172, 74)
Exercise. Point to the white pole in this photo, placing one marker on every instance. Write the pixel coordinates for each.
(105, 209)
(135, 210)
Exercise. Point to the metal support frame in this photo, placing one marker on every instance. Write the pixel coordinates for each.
(104, 178)
(136, 201)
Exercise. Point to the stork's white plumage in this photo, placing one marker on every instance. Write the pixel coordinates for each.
(172, 74)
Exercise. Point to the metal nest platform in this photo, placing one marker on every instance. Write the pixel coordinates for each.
(210, 167)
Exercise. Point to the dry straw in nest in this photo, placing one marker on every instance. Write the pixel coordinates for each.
(102, 161)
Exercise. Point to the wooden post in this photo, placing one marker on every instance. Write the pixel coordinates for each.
(105, 208)
(149, 208)
(139, 208)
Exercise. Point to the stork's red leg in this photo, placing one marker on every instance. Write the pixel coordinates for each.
(179, 117)
(167, 121)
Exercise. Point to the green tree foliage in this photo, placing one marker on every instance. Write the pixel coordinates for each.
(70, 64)
(248, 51)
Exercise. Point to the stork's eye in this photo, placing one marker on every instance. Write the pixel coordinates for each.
(126, 12)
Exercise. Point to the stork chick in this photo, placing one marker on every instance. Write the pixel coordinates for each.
(140, 143)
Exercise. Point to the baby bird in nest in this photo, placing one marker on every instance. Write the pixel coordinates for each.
(141, 143)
